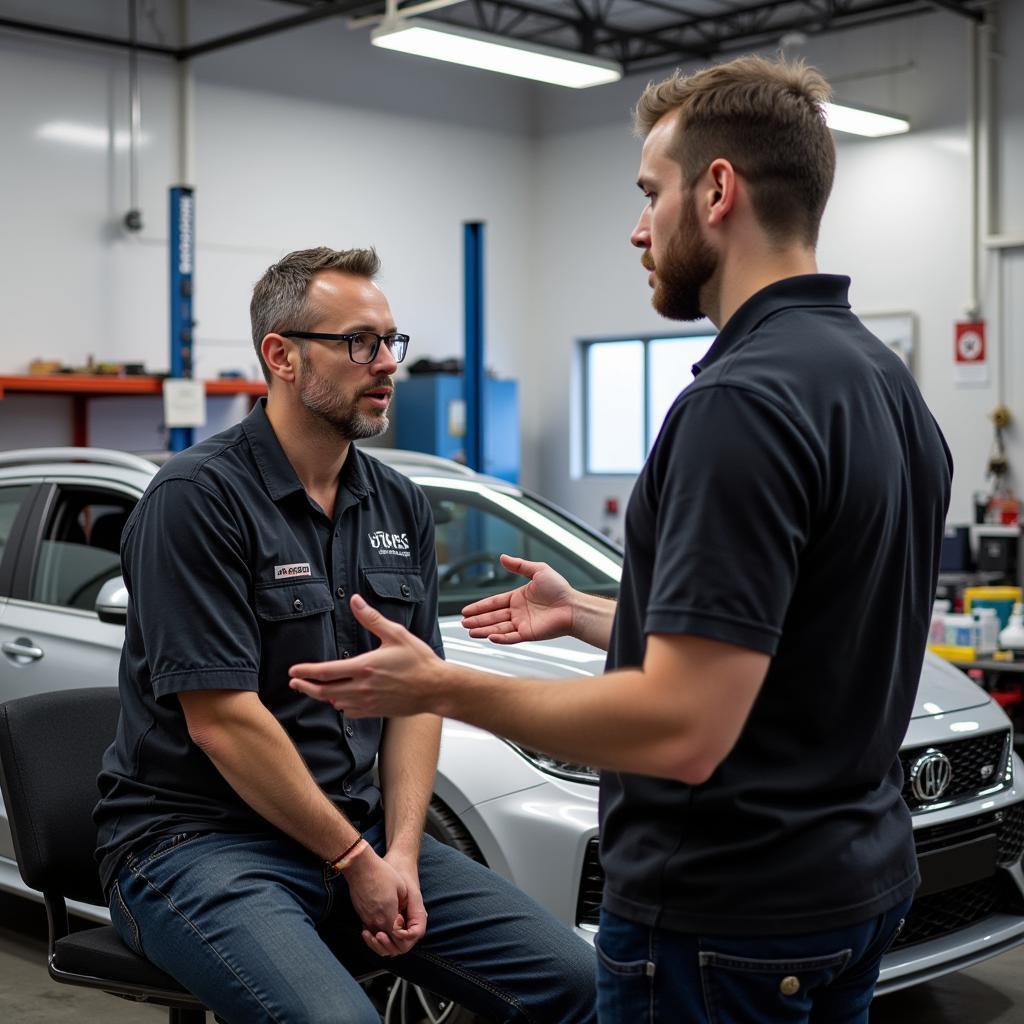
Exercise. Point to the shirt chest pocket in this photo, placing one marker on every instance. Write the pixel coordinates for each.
(280, 602)
(395, 593)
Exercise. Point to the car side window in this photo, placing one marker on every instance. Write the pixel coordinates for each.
(80, 548)
(470, 533)
(11, 499)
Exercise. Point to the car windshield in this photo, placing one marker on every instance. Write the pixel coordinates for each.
(476, 522)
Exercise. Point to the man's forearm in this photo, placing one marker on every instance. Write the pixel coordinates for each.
(628, 720)
(676, 717)
(408, 762)
(242, 739)
(592, 619)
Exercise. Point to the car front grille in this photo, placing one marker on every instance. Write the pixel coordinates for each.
(978, 763)
(943, 912)
(1011, 836)
(931, 916)
(1007, 824)
(588, 905)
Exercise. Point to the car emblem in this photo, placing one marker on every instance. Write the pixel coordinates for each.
(931, 775)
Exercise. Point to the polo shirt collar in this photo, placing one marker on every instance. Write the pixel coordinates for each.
(805, 290)
(279, 476)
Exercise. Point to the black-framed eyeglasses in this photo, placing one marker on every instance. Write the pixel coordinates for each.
(363, 346)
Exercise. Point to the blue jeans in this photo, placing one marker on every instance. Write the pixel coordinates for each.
(655, 976)
(252, 925)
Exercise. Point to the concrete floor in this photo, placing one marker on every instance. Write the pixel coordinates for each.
(28, 996)
(991, 993)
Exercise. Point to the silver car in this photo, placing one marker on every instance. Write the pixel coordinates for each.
(530, 817)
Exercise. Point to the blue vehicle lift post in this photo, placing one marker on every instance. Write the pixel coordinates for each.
(473, 375)
(182, 259)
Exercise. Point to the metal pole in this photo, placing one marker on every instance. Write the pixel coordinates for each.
(186, 139)
(182, 258)
(133, 218)
(473, 235)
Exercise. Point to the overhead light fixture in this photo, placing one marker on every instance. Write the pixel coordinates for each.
(89, 136)
(474, 49)
(863, 122)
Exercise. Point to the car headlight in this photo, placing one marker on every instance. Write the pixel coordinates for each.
(556, 766)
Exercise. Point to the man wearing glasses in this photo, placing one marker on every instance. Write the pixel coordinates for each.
(247, 843)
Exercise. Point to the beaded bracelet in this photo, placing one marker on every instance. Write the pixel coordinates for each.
(343, 860)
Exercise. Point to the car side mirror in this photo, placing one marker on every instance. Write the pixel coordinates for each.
(112, 602)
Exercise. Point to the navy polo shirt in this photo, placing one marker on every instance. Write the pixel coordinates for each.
(235, 574)
(792, 504)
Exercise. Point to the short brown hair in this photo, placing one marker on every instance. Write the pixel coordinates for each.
(766, 118)
(280, 301)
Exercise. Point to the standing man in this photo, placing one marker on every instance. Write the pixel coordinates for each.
(246, 844)
(782, 548)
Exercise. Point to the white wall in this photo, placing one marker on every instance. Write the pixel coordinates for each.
(313, 137)
(301, 139)
(897, 223)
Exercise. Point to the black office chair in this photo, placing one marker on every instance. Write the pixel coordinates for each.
(51, 746)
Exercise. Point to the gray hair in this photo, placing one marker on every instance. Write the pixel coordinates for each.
(280, 301)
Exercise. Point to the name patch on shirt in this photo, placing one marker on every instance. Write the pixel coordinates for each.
(389, 543)
(286, 572)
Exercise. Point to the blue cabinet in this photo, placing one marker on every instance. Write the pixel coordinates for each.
(430, 416)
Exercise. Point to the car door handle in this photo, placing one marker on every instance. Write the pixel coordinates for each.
(21, 649)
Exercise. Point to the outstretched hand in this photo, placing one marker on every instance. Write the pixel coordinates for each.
(400, 678)
(539, 610)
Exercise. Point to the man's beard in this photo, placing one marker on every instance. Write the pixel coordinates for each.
(342, 417)
(688, 265)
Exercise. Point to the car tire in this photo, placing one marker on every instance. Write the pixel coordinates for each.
(446, 828)
(398, 1001)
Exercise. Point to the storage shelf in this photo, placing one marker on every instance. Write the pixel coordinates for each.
(111, 384)
(80, 387)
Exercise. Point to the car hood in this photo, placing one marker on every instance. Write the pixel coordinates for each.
(943, 689)
(545, 659)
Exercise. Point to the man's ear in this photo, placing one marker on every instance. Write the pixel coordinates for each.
(281, 356)
(720, 190)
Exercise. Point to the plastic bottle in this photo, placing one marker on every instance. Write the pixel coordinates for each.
(1012, 637)
(962, 631)
(988, 630)
(937, 629)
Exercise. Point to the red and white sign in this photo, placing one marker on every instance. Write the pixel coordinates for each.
(970, 357)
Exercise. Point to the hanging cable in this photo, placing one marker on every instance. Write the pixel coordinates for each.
(133, 218)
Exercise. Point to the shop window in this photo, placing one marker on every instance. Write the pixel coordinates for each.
(628, 386)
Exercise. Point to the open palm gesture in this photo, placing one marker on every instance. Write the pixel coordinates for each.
(539, 610)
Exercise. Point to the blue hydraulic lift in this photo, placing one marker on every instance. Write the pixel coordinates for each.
(473, 378)
(182, 258)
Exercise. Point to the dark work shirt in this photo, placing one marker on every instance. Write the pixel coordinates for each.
(793, 504)
(235, 574)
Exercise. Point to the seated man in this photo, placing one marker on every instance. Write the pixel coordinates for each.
(247, 846)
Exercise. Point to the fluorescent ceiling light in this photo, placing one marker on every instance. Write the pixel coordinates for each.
(494, 53)
(863, 122)
(88, 136)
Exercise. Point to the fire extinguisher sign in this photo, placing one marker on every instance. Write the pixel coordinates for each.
(970, 354)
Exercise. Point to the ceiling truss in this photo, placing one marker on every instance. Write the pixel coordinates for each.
(642, 35)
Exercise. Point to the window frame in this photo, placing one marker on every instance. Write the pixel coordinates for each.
(27, 561)
(645, 339)
(10, 557)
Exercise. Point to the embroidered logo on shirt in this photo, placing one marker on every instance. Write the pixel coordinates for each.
(389, 543)
(285, 572)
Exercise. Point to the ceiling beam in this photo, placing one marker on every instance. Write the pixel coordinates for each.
(958, 8)
(727, 32)
(654, 62)
(317, 13)
(85, 37)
